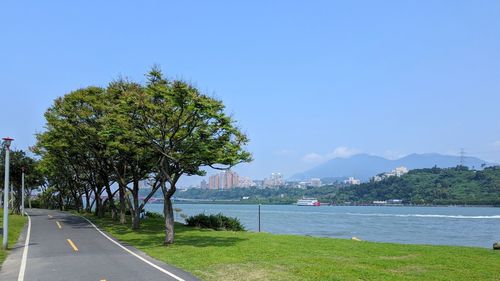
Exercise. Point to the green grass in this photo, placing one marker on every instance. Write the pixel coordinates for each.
(16, 224)
(220, 255)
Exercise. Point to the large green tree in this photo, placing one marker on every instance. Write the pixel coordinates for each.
(73, 138)
(130, 154)
(188, 132)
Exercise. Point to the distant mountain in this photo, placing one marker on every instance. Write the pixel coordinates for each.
(365, 166)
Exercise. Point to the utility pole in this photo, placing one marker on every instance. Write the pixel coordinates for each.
(22, 191)
(259, 217)
(7, 142)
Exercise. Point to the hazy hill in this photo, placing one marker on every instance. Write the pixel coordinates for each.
(457, 185)
(364, 166)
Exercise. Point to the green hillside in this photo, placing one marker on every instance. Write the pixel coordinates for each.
(458, 185)
(436, 186)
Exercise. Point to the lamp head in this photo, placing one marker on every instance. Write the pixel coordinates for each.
(7, 141)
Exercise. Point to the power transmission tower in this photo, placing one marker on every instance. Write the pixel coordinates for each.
(462, 157)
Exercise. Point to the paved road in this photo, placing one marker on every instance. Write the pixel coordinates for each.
(67, 247)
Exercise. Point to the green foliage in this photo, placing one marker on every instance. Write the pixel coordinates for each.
(431, 186)
(37, 203)
(216, 222)
(153, 215)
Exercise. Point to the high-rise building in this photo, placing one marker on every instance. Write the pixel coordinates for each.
(224, 180)
(214, 182)
(246, 182)
(276, 180)
(204, 184)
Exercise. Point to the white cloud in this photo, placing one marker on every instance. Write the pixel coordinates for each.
(343, 152)
(313, 158)
(393, 155)
(339, 152)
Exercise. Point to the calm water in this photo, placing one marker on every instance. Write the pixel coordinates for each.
(466, 226)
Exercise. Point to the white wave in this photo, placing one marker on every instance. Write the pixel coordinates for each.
(426, 216)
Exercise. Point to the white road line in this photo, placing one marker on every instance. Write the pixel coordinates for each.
(134, 254)
(25, 251)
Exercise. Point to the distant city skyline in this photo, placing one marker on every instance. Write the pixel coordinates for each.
(306, 82)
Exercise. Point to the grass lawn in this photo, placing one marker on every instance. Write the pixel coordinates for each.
(16, 224)
(220, 255)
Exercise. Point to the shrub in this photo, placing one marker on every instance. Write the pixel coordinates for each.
(216, 222)
(153, 215)
(35, 203)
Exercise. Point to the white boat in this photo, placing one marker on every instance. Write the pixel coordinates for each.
(308, 202)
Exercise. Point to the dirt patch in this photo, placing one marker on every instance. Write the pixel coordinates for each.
(395, 258)
(408, 269)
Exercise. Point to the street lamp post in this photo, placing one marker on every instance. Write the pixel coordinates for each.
(7, 142)
(22, 191)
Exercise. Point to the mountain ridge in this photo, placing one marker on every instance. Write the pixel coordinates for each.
(364, 166)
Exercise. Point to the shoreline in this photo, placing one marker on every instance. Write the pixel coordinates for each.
(329, 205)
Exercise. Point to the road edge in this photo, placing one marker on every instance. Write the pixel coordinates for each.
(172, 271)
(22, 270)
(10, 268)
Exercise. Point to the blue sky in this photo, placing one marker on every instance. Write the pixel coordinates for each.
(307, 80)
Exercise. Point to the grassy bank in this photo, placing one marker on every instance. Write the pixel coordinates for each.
(16, 224)
(213, 255)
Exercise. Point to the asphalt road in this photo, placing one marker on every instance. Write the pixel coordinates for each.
(67, 247)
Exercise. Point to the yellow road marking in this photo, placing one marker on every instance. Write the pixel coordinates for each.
(72, 245)
(50, 216)
(58, 225)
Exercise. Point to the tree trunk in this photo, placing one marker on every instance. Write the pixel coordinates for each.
(61, 202)
(111, 200)
(135, 209)
(98, 205)
(168, 212)
(136, 220)
(121, 192)
(76, 198)
(88, 205)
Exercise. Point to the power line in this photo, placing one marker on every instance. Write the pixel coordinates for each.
(462, 157)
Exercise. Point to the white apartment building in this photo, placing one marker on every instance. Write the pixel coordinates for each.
(352, 181)
(276, 180)
(315, 182)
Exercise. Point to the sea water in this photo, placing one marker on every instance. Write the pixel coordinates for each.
(463, 226)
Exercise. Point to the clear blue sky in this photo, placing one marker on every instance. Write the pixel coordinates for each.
(307, 80)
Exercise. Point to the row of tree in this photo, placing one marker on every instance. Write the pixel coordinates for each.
(19, 162)
(100, 143)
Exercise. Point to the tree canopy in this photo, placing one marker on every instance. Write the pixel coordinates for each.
(101, 143)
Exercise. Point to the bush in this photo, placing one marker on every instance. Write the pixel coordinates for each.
(216, 222)
(35, 203)
(153, 215)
